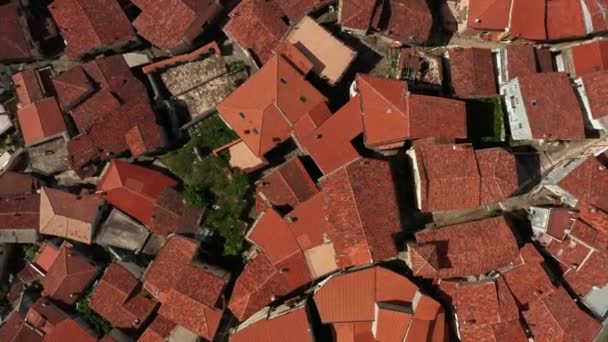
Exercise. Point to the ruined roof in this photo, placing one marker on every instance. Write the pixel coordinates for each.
(287, 186)
(118, 300)
(40, 120)
(362, 231)
(68, 277)
(256, 25)
(69, 216)
(466, 249)
(552, 112)
(169, 29)
(263, 110)
(590, 57)
(292, 325)
(14, 44)
(133, 189)
(375, 295)
(472, 73)
(172, 214)
(406, 21)
(88, 24)
(337, 131)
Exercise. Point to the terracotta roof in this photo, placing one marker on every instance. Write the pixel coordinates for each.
(28, 86)
(20, 212)
(357, 14)
(557, 318)
(68, 277)
(133, 189)
(192, 306)
(565, 20)
(528, 283)
(14, 44)
(168, 29)
(85, 24)
(499, 174)
(362, 230)
(272, 234)
(595, 8)
(528, 19)
(256, 25)
(118, 300)
(337, 131)
(40, 120)
(96, 108)
(46, 256)
(15, 184)
(172, 214)
(44, 315)
(69, 330)
(559, 220)
(594, 85)
(523, 60)
(568, 252)
(290, 326)
(14, 329)
(72, 87)
(437, 117)
(466, 249)
(375, 295)
(593, 272)
(295, 9)
(590, 57)
(487, 15)
(263, 119)
(472, 73)
(586, 183)
(69, 216)
(552, 112)
(158, 330)
(440, 168)
(287, 186)
(309, 222)
(163, 273)
(405, 21)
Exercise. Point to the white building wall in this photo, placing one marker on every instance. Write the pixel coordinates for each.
(516, 111)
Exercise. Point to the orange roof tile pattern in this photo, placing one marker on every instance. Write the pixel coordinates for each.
(472, 73)
(382, 298)
(407, 21)
(40, 120)
(86, 25)
(20, 212)
(264, 109)
(590, 57)
(69, 330)
(44, 315)
(117, 299)
(461, 250)
(28, 87)
(586, 183)
(291, 326)
(158, 331)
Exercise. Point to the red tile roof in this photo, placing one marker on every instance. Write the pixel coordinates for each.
(20, 212)
(158, 330)
(309, 222)
(40, 120)
(499, 174)
(68, 277)
(552, 112)
(587, 182)
(472, 73)
(595, 85)
(14, 44)
(592, 273)
(263, 119)
(117, 299)
(487, 15)
(362, 230)
(437, 117)
(168, 29)
(289, 185)
(44, 315)
(14, 329)
(28, 87)
(295, 9)
(465, 249)
(69, 330)
(193, 306)
(440, 168)
(557, 318)
(290, 326)
(88, 24)
(338, 131)
(374, 295)
(171, 261)
(528, 19)
(15, 184)
(272, 234)
(133, 189)
(96, 108)
(173, 215)
(46, 256)
(357, 14)
(256, 25)
(521, 60)
(565, 19)
(72, 87)
(590, 57)
(407, 21)
(528, 283)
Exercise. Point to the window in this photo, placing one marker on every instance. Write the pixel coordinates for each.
(255, 131)
(534, 102)
(303, 99)
(242, 115)
(283, 80)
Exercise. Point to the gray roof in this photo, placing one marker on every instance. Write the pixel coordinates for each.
(121, 231)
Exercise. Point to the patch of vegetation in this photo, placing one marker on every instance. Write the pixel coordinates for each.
(29, 251)
(98, 324)
(237, 66)
(209, 183)
(5, 306)
(485, 120)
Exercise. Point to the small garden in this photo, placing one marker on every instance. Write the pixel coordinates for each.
(485, 121)
(209, 183)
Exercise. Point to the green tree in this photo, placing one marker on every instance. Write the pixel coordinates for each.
(99, 325)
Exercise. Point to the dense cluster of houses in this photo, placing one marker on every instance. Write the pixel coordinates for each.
(351, 169)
